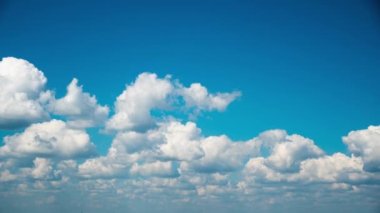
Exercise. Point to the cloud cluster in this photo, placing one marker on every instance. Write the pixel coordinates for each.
(24, 99)
(163, 156)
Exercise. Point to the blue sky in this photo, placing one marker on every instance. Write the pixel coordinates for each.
(308, 67)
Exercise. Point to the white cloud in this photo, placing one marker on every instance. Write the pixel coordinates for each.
(288, 154)
(103, 167)
(366, 143)
(157, 168)
(337, 167)
(293, 158)
(270, 138)
(42, 168)
(170, 141)
(81, 108)
(52, 138)
(257, 169)
(223, 155)
(22, 94)
(135, 103)
(133, 152)
(127, 149)
(181, 141)
(281, 156)
(197, 96)
(67, 167)
(133, 107)
(131, 142)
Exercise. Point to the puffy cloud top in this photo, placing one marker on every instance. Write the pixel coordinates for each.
(81, 108)
(337, 167)
(21, 93)
(366, 143)
(197, 96)
(134, 104)
(182, 141)
(149, 92)
(287, 155)
(224, 155)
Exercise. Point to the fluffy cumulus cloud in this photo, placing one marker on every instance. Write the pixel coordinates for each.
(288, 154)
(42, 168)
(52, 138)
(335, 168)
(197, 96)
(104, 167)
(134, 104)
(22, 94)
(221, 154)
(181, 141)
(164, 158)
(366, 144)
(81, 108)
(25, 100)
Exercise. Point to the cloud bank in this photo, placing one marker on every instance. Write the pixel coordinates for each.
(155, 159)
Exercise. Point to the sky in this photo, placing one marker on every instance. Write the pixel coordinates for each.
(192, 106)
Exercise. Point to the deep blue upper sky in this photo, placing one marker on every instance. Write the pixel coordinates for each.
(310, 67)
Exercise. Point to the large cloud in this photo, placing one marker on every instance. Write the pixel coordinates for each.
(293, 158)
(173, 141)
(53, 138)
(366, 143)
(289, 153)
(181, 141)
(281, 156)
(21, 93)
(134, 104)
(257, 170)
(224, 155)
(335, 168)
